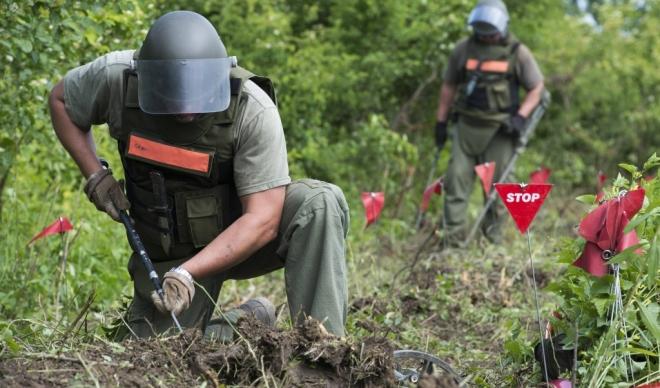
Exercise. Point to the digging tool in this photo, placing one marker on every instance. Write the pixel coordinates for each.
(412, 365)
(136, 244)
(533, 121)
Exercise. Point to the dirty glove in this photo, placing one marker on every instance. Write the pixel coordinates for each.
(440, 134)
(178, 289)
(517, 125)
(106, 193)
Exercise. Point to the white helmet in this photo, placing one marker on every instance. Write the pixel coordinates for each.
(489, 17)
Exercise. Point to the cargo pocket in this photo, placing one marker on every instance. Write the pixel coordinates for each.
(204, 219)
(500, 95)
(199, 216)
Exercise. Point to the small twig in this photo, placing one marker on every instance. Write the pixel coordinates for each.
(89, 371)
(82, 312)
(169, 355)
(41, 356)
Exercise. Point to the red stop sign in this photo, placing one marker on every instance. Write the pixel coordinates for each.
(523, 201)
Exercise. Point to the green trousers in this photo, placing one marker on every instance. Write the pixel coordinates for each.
(309, 246)
(459, 181)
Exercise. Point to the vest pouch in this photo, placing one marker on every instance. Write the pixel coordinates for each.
(478, 99)
(199, 216)
(499, 94)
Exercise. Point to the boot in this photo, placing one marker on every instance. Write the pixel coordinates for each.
(221, 328)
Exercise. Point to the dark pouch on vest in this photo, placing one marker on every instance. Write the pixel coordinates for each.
(199, 216)
(478, 99)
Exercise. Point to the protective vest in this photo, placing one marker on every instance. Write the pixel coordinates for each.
(179, 176)
(488, 86)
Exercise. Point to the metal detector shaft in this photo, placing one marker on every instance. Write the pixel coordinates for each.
(532, 123)
(136, 243)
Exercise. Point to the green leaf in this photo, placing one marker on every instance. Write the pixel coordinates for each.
(629, 167)
(515, 350)
(589, 199)
(649, 315)
(13, 346)
(653, 161)
(639, 219)
(24, 44)
(601, 305)
(653, 262)
(645, 352)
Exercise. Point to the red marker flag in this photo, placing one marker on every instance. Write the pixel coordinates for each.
(603, 229)
(523, 201)
(601, 180)
(561, 383)
(486, 172)
(373, 205)
(61, 225)
(540, 175)
(433, 188)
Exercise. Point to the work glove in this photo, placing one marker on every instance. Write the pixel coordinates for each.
(106, 193)
(178, 290)
(440, 134)
(517, 125)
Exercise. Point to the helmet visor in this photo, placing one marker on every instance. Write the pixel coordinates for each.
(486, 16)
(177, 86)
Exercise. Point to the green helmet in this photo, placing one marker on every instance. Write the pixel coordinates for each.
(183, 67)
(489, 17)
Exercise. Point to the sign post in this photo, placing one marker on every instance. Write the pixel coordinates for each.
(523, 203)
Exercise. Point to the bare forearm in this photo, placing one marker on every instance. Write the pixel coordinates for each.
(447, 93)
(236, 243)
(531, 100)
(78, 142)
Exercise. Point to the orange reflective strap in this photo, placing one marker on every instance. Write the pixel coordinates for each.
(489, 66)
(177, 157)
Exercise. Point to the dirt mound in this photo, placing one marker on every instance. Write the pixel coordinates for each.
(306, 356)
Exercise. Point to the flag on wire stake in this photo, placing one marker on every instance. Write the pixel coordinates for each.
(523, 203)
(604, 231)
(433, 188)
(540, 175)
(59, 226)
(485, 172)
(373, 204)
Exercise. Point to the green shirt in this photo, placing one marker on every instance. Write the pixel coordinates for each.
(527, 70)
(93, 95)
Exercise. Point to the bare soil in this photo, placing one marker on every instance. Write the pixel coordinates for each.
(304, 357)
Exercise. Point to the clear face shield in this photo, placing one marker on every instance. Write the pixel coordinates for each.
(488, 20)
(184, 86)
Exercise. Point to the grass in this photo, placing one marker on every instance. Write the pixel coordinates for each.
(473, 308)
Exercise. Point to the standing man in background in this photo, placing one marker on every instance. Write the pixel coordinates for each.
(207, 180)
(481, 83)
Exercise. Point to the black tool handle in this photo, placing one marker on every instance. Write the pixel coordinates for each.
(136, 243)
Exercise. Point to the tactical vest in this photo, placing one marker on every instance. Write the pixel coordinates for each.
(488, 86)
(179, 176)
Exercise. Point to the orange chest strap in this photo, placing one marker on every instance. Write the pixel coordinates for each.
(487, 66)
(178, 158)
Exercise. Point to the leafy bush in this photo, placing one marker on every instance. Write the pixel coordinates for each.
(585, 310)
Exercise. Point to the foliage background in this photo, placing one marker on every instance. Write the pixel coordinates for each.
(357, 83)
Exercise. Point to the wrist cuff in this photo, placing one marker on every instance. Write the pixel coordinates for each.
(181, 271)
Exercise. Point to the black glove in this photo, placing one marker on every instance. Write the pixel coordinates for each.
(440, 134)
(517, 125)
